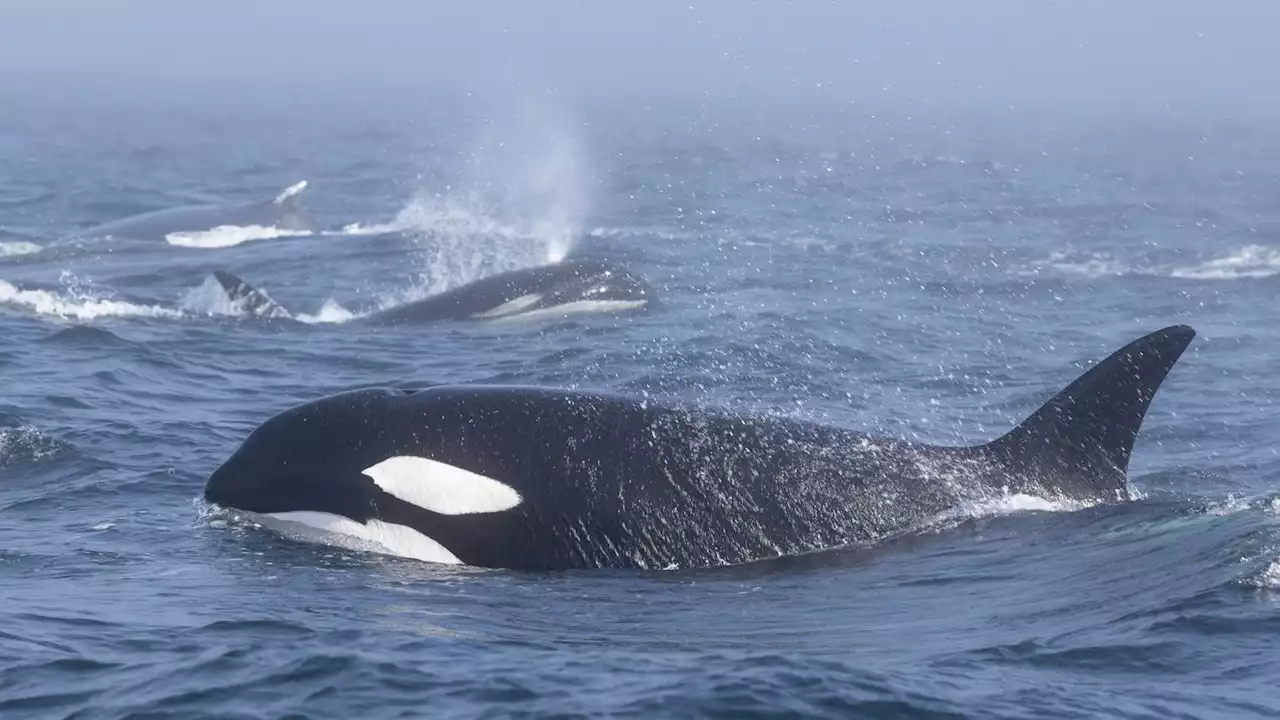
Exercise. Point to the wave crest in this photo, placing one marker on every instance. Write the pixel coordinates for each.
(225, 236)
(77, 304)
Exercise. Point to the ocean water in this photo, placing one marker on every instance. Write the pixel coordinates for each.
(918, 274)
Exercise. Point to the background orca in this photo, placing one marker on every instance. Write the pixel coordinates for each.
(564, 287)
(547, 479)
(281, 212)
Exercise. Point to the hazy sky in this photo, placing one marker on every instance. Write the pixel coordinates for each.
(1097, 52)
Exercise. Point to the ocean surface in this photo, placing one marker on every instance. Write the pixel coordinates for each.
(920, 274)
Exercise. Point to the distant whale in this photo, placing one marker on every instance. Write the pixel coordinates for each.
(281, 212)
(549, 479)
(561, 288)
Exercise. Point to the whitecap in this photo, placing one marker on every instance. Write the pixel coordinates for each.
(1250, 261)
(18, 247)
(79, 306)
(225, 236)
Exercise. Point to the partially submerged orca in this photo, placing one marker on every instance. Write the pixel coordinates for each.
(281, 213)
(549, 479)
(569, 286)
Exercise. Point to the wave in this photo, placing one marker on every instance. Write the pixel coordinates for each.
(18, 247)
(77, 304)
(330, 312)
(661, 232)
(225, 236)
(1003, 504)
(1091, 265)
(1250, 261)
(1269, 578)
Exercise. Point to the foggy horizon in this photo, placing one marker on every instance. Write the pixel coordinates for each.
(992, 54)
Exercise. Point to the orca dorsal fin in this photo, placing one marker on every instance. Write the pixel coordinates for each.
(248, 299)
(1079, 443)
(288, 198)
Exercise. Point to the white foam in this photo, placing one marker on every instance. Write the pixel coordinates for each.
(78, 306)
(330, 312)
(25, 439)
(659, 231)
(1270, 578)
(1230, 506)
(1250, 261)
(359, 229)
(372, 536)
(1009, 504)
(441, 487)
(1091, 265)
(18, 247)
(225, 236)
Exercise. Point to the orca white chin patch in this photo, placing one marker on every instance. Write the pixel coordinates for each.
(441, 487)
(373, 536)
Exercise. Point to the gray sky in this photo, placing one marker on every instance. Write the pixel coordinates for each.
(1100, 53)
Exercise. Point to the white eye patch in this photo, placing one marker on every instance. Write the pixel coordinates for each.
(441, 487)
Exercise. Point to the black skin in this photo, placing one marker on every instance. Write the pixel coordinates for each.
(565, 282)
(618, 482)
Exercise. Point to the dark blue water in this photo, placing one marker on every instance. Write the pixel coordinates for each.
(914, 274)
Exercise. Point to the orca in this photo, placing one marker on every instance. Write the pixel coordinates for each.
(545, 479)
(281, 213)
(569, 286)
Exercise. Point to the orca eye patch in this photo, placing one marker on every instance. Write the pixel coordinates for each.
(440, 487)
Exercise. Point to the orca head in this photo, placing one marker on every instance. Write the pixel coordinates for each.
(308, 458)
(587, 282)
(359, 464)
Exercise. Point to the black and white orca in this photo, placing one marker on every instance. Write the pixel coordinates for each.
(570, 286)
(548, 479)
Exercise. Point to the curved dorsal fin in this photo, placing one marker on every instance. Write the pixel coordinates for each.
(1079, 442)
(247, 298)
(288, 198)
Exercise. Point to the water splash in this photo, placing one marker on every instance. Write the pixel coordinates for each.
(26, 443)
(18, 247)
(1250, 261)
(1005, 504)
(1270, 578)
(211, 299)
(330, 312)
(1089, 265)
(521, 201)
(77, 303)
(225, 236)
